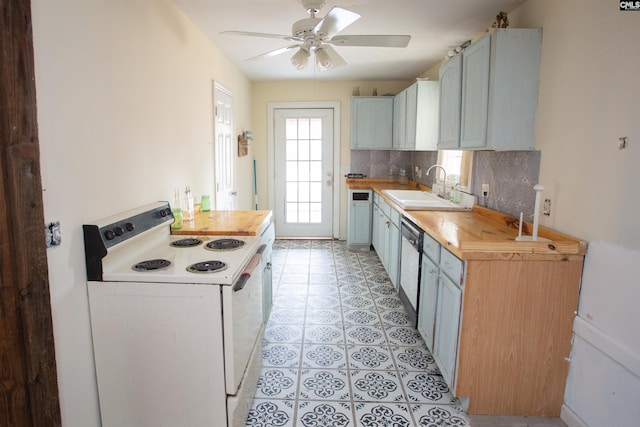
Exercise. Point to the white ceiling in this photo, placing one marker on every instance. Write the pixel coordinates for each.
(435, 26)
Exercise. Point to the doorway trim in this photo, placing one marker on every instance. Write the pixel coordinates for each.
(218, 91)
(333, 105)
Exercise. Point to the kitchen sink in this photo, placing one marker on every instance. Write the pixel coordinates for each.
(414, 200)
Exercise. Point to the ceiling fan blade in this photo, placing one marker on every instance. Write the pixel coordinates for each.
(371, 40)
(273, 52)
(268, 35)
(336, 59)
(335, 21)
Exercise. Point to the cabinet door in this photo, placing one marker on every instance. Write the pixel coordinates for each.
(411, 116)
(399, 120)
(371, 122)
(428, 301)
(445, 346)
(475, 94)
(383, 253)
(375, 227)
(380, 232)
(359, 232)
(267, 291)
(393, 254)
(450, 95)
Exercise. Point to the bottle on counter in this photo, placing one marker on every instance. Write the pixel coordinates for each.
(187, 205)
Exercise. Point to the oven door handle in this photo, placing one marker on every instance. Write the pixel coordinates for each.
(246, 274)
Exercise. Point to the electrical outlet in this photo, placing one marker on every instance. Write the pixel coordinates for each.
(546, 207)
(485, 190)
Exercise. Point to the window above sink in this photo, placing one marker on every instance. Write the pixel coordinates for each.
(458, 165)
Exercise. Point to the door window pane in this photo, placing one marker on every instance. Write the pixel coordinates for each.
(291, 130)
(292, 172)
(315, 171)
(303, 128)
(291, 151)
(303, 149)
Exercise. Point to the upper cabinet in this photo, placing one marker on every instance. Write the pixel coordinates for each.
(399, 120)
(371, 122)
(489, 93)
(450, 97)
(415, 117)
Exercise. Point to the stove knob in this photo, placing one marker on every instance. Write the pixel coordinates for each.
(163, 213)
(129, 226)
(119, 231)
(168, 211)
(110, 235)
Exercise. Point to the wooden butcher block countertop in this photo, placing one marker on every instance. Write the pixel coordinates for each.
(481, 233)
(226, 223)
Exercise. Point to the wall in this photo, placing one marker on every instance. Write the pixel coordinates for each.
(124, 93)
(588, 99)
(317, 90)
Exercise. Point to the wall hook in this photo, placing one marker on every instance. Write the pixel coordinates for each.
(623, 142)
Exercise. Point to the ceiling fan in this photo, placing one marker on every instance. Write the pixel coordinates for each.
(316, 35)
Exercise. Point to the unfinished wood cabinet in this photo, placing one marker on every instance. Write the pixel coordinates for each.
(515, 333)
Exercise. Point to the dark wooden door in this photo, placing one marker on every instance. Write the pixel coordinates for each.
(28, 381)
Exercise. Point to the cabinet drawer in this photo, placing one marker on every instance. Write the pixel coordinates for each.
(431, 248)
(385, 208)
(376, 198)
(394, 216)
(451, 266)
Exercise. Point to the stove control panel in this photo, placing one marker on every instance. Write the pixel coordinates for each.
(126, 228)
(109, 232)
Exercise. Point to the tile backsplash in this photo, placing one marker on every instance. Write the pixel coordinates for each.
(511, 175)
(379, 163)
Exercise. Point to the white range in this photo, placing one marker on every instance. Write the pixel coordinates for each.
(176, 322)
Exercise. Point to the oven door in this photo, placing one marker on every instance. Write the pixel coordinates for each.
(242, 322)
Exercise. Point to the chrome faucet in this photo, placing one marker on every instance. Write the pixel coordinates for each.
(443, 193)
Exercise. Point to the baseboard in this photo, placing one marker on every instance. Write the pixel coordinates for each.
(570, 418)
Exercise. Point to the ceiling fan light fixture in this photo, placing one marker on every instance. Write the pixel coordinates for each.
(323, 61)
(301, 58)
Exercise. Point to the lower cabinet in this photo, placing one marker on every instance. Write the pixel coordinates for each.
(500, 327)
(393, 252)
(359, 219)
(386, 237)
(428, 301)
(439, 307)
(447, 325)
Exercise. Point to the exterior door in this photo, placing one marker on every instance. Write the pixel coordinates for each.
(225, 160)
(303, 172)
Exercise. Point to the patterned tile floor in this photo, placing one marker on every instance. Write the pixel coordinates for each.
(339, 349)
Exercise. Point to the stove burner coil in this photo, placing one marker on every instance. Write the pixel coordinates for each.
(224, 244)
(186, 243)
(152, 265)
(207, 267)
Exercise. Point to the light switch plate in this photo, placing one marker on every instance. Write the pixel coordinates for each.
(53, 235)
